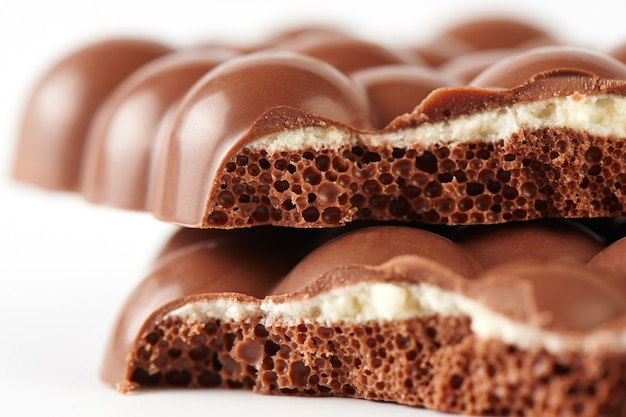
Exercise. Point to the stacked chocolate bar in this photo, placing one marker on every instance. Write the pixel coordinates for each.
(480, 266)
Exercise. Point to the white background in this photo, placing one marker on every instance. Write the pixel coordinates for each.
(66, 265)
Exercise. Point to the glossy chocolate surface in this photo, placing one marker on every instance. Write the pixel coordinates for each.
(375, 246)
(543, 289)
(133, 121)
(393, 90)
(495, 33)
(177, 145)
(478, 35)
(537, 74)
(349, 55)
(60, 110)
(215, 261)
(247, 97)
(542, 239)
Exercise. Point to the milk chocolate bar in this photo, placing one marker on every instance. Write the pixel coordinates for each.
(388, 313)
(493, 127)
(59, 112)
(317, 128)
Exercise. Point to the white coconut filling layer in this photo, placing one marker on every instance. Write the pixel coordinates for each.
(366, 302)
(598, 115)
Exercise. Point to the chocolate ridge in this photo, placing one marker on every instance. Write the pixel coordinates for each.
(544, 289)
(441, 105)
(262, 344)
(229, 101)
(350, 170)
(218, 263)
(60, 109)
(123, 137)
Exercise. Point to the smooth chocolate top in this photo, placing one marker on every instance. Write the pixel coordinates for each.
(549, 291)
(394, 90)
(537, 74)
(61, 107)
(541, 239)
(124, 135)
(495, 32)
(334, 81)
(465, 67)
(483, 34)
(612, 258)
(349, 55)
(247, 97)
(247, 261)
(552, 62)
(374, 246)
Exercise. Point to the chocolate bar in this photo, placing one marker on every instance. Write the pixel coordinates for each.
(309, 130)
(478, 180)
(387, 313)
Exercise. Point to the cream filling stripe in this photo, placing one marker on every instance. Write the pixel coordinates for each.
(599, 115)
(367, 302)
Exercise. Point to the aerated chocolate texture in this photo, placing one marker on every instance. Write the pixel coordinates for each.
(491, 126)
(316, 128)
(514, 319)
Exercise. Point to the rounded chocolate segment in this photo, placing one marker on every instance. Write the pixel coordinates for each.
(296, 243)
(60, 109)
(440, 51)
(557, 295)
(123, 136)
(530, 76)
(356, 301)
(495, 32)
(612, 258)
(347, 54)
(374, 246)
(619, 52)
(466, 67)
(285, 38)
(248, 262)
(394, 90)
(240, 100)
(540, 239)
(552, 61)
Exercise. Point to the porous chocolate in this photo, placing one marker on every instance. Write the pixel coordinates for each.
(408, 316)
(316, 128)
(308, 129)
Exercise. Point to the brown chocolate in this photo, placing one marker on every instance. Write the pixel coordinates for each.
(132, 122)
(613, 258)
(533, 75)
(497, 32)
(545, 240)
(478, 35)
(524, 318)
(558, 295)
(349, 165)
(273, 357)
(466, 67)
(310, 187)
(394, 90)
(252, 95)
(375, 246)
(550, 62)
(248, 261)
(60, 110)
(619, 52)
